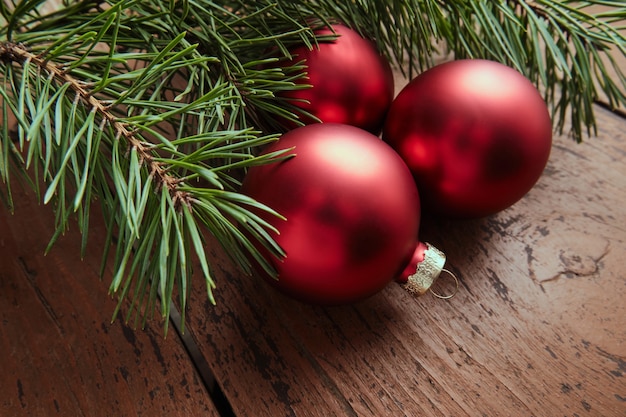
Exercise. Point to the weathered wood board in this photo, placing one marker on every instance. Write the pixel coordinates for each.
(538, 327)
(59, 352)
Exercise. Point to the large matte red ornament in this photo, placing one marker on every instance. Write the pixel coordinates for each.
(352, 211)
(475, 133)
(351, 82)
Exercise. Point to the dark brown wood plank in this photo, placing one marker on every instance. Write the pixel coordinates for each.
(537, 328)
(59, 352)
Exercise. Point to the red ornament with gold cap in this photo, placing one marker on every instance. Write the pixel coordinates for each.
(352, 215)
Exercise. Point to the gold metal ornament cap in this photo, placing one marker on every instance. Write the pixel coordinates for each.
(427, 272)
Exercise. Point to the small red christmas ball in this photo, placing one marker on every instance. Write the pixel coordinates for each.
(351, 82)
(475, 133)
(352, 212)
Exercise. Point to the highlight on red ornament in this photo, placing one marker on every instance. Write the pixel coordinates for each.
(352, 213)
(476, 135)
(352, 83)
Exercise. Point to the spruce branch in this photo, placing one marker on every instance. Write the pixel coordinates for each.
(18, 53)
(148, 132)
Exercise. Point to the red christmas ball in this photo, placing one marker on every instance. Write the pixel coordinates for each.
(475, 133)
(351, 82)
(352, 212)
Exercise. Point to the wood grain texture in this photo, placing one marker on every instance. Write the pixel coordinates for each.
(59, 353)
(538, 327)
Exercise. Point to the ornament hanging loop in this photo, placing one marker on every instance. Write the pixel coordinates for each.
(429, 266)
(456, 286)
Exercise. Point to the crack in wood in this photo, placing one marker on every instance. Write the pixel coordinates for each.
(31, 276)
(202, 366)
(574, 265)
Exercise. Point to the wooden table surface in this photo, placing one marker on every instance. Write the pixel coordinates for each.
(538, 327)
